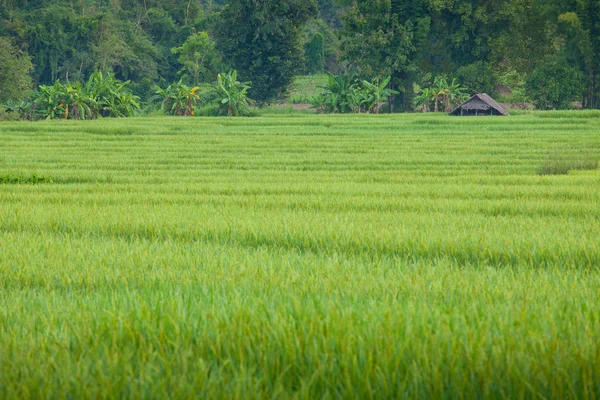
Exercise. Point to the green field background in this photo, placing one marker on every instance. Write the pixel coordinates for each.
(300, 256)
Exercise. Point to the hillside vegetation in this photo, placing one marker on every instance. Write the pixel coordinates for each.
(542, 51)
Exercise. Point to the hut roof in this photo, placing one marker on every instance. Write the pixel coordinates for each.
(480, 102)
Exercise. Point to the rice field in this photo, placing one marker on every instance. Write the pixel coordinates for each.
(300, 256)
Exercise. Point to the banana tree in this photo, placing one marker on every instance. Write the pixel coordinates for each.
(178, 99)
(111, 97)
(340, 95)
(424, 97)
(455, 95)
(230, 95)
(375, 93)
(62, 102)
(347, 94)
(439, 93)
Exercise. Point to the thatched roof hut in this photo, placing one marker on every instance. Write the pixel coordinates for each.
(480, 104)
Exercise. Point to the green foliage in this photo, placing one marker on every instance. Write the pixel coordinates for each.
(60, 41)
(331, 44)
(305, 87)
(198, 57)
(261, 39)
(349, 94)
(63, 101)
(8, 115)
(110, 96)
(464, 38)
(375, 93)
(315, 54)
(515, 81)
(102, 95)
(20, 179)
(439, 92)
(382, 38)
(69, 40)
(341, 95)
(15, 66)
(230, 95)
(555, 85)
(155, 42)
(477, 78)
(20, 110)
(178, 99)
(579, 28)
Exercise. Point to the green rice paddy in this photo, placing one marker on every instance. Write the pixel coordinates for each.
(300, 256)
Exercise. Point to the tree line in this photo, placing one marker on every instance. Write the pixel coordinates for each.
(547, 51)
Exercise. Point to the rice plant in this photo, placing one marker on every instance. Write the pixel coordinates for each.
(299, 256)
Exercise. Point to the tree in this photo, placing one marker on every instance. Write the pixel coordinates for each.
(579, 25)
(198, 57)
(382, 38)
(477, 77)
(315, 53)
(555, 85)
(126, 52)
(261, 39)
(313, 31)
(15, 66)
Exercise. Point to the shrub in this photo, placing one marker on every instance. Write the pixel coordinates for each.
(15, 179)
(8, 116)
(226, 97)
(375, 93)
(211, 110)
(555, 85)
(341, 95)
(21, 110)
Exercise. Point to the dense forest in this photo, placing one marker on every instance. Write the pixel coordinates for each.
(546, 50)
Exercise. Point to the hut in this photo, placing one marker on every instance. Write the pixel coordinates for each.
(480, 104)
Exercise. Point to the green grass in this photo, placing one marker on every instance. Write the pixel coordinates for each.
(306, 87)
(406, 256)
